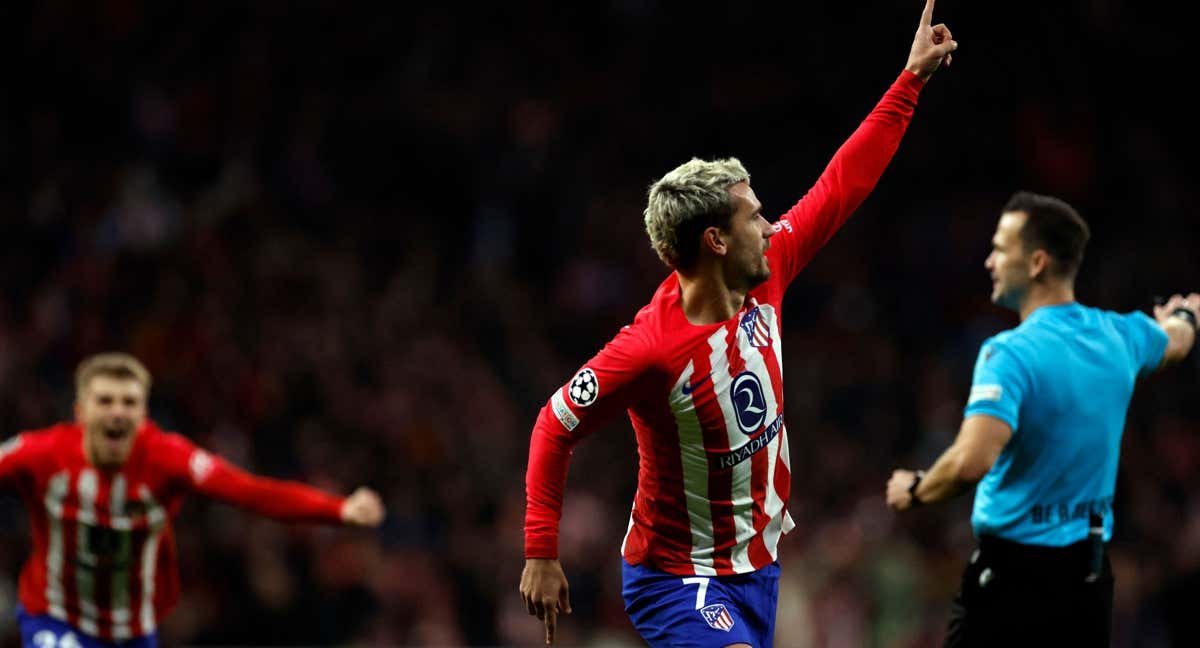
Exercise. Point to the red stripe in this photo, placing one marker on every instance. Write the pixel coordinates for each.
(720, 482)
(757, 551)
(782, 489)
(712, 425)
(660, 476)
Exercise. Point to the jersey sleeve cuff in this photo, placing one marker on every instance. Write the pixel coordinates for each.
(544, 548)
(909, 84)
(994, 412)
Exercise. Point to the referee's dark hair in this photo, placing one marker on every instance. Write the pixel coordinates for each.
(1054, 226)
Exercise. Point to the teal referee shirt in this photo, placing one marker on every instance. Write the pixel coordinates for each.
(1062, 380)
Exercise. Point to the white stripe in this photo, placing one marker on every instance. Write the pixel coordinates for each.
(56, 492)
(88, 626)
(117, 495)
(741, 477)
(119, 605)
(629, 528)
(87, 486)
(743, 473)
(150, 558)
(694, 461)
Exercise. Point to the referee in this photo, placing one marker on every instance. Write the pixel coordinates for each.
(1042, 434)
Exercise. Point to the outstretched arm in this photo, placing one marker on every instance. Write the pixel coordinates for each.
(11, 459)
(212, 476)
(964, 463)
(1181, 330)
(288, 501)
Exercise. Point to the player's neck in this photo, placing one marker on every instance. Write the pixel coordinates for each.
(1052, 294)
(706, 299)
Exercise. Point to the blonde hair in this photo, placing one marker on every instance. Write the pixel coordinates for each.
(114, 364)
(692, 197)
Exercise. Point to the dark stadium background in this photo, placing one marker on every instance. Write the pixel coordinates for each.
(362, 244)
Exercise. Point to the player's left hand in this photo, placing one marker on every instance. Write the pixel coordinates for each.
(898, 496)
(932, 45)
(363, 508)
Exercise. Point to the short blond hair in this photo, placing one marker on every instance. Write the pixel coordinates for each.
(686, 201)
(114, 364)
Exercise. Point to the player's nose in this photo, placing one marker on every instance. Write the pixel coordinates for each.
(768, 230)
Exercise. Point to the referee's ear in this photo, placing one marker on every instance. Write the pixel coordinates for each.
(1039, 264)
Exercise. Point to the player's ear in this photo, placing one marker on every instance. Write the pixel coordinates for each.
(714, 240)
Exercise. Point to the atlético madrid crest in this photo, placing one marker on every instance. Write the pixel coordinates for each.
(756, 328)
(717, 616)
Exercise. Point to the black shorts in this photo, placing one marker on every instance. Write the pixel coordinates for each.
(1024, 595)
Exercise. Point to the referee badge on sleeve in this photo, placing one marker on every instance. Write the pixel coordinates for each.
(985, 393)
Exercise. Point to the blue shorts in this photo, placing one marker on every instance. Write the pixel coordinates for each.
(44, 631)
(702, 611)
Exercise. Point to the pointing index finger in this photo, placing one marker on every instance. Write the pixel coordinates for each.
(551, 624)
(927, 14)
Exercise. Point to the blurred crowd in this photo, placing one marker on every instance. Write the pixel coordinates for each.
(363, 245)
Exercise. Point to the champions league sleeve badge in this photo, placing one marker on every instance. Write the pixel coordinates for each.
(584, 388)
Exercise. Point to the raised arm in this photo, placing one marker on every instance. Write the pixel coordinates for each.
(859, 163)
(932, 46)
(1177, 317)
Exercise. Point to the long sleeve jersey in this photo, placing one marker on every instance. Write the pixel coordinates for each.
(104, 557)
(707, 401)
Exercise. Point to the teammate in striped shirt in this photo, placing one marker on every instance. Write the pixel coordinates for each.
(700, 373)
(101, 493)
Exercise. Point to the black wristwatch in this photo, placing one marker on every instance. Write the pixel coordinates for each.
(1186, 315)
(912, 488)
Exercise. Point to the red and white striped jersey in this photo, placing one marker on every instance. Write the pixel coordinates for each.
(707, 402)
(103, 555)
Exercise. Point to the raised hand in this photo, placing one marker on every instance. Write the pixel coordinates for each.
(1191, 303)
(931, 46)
(363, 508)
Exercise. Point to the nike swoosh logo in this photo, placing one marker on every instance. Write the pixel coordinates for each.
(691, 387)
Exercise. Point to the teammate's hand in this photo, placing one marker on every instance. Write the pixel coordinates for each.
(1191, 303)
(898, 496)
(545, 593)
(931, 46)
(363, 508)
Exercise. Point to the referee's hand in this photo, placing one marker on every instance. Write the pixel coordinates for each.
(898, 496)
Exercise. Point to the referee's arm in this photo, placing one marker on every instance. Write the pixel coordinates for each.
(964, 463)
